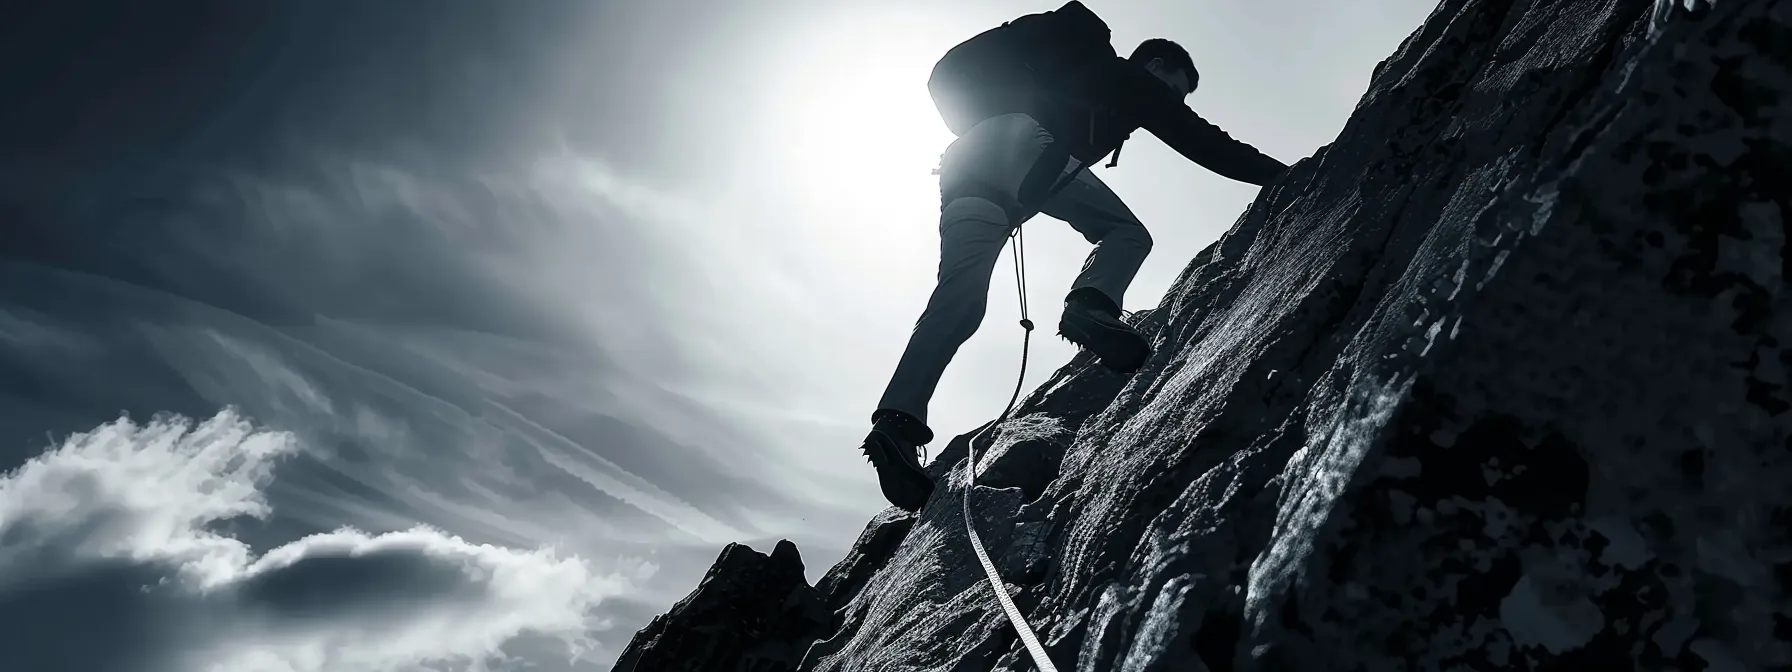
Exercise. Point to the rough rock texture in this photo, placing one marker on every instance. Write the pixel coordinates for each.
(1496, 380)
(751, 613)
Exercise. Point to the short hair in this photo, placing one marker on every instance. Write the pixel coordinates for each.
(1172, 53)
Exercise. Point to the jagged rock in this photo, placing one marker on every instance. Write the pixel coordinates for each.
(873, 548)
(751, 613)
(1496, 380)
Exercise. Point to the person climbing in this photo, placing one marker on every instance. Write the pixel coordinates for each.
(1032, 103)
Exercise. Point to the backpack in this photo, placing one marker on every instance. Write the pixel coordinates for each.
(1004, 69)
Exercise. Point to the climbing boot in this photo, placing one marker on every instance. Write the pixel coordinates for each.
(893, 447)
(1092, 321)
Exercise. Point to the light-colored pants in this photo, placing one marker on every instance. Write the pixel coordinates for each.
(992, 159)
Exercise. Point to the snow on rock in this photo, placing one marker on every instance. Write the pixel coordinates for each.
(1496, 380)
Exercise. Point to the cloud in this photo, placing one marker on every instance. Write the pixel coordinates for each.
(542, 351)
(535, 385)
(114, 555)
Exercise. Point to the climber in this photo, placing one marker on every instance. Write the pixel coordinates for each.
(1032, 103)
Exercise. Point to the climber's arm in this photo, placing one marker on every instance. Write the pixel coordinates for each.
(1198, 140)
(1204, 143)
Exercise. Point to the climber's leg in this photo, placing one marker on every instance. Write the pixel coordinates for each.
(990, 182)
(986, 179)
(1092, 309)
(1121, 241)
(972, 233)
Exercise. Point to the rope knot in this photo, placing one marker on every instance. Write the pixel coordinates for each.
(1026, 324)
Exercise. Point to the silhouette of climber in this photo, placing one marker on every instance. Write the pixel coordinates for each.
(1033, 102)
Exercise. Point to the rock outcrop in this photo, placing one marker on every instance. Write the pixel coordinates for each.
(751, 613)
(1496, 380)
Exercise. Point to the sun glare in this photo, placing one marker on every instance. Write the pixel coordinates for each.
(857, 123)
(849, 139)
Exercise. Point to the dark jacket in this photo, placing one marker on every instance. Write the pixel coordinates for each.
(1060, 68)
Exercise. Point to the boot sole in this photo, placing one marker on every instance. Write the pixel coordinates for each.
(1122, 351)
(907, 488)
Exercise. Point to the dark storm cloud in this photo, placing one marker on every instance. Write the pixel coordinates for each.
(330, 584)
(100, 618)
(124, 616)
(114, 560)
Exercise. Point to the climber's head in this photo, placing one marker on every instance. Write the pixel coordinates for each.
(1169, 62)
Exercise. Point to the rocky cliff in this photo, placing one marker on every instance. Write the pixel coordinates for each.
(1496, 380)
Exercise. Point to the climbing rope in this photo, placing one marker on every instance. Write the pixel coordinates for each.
(1027, 636)
(1040, 659)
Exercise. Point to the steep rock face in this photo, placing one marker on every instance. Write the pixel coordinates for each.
(1494, 381)
(751, 613)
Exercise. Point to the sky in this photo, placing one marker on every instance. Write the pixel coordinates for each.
(463, 334)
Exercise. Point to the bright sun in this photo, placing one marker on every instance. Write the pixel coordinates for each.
(854, 118)
(846, 140)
